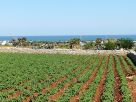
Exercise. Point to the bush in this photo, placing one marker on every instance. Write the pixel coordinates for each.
(110, 46)
(125, 43)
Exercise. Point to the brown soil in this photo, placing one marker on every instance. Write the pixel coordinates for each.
(117, 92)
(53, 85)
(131, 82)
(18, 93)
(100, 87)
(76, 97)
(36, 94)
(44, 90)
(27, 99)
(7, 90)
(132, 87)
(65, 87)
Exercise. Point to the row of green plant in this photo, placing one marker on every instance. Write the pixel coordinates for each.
(125, 65)
(108, 93)
(124, 87)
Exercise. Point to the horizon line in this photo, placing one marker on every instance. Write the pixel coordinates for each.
(70, 35)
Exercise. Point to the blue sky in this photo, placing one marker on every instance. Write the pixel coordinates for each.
(67, 17)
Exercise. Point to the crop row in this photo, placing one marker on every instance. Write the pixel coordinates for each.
(108, 93)
(124, 87)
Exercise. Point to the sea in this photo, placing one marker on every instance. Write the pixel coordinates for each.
(66, 38)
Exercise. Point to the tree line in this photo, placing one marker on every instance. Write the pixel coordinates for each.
(99, 44)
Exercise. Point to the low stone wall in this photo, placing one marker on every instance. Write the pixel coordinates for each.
(62, 51)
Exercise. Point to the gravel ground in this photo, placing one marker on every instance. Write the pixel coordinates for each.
(61, 51)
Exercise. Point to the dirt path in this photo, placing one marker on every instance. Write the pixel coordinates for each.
(100, 87)
(7, 90)
(18, 93)
(131, 82)
(132, 87)
(117, 91)
(86, 84)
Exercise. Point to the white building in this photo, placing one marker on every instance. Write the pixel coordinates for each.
(4, 43)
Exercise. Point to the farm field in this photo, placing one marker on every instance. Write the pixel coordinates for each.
(66, 78)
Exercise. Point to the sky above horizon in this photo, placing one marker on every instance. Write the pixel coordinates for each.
(67, 17)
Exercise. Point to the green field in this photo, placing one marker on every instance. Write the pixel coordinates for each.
(64, 78)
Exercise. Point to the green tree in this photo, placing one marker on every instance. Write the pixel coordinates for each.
(98, 41)
(73, 42)
(89, 45)
(110, 45)
(14, 42)
(20, 42)
(98, 44)
(125, 43)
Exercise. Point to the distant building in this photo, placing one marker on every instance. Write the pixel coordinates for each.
(4, 43)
